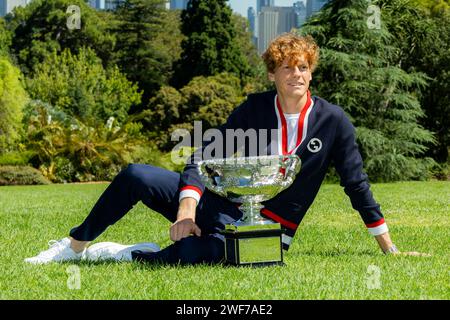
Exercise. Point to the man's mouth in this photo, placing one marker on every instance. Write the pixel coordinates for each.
(296, 84)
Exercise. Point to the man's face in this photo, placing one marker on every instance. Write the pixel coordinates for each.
(292, 81)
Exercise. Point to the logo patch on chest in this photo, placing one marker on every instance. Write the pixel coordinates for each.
(314, 145)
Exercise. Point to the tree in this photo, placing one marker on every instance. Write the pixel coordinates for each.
(359, 71)
(207, 99)
(81, 87)
(258, 81)
(66, 149)
(423, 38)
(12, 100)
(148, 42)
(41, 27)
(210, 46)
(5, 38)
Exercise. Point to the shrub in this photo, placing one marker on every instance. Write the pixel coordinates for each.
(21, 175)
(82, 88)
(153, 156)
(18, 158)
(12, 100)
(67, 149)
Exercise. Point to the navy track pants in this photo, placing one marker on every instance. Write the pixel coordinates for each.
(158, 188)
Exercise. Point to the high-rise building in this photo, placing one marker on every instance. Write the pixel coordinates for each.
(97, 4)
(105, 4)
(312, 6)
(251, 16)
(263, 3)
(6, 6)
(178, 4)
(300, 13)
(274, 21)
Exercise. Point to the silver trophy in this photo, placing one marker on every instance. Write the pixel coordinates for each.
(248, 181)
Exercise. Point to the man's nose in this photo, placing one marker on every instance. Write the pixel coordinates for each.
(297, 71)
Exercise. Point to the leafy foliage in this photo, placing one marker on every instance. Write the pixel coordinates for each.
(424, 43)
(5, 38)
(148, 42)
(40, 28)
(12, 100)
(210, 46)
(209, 99)
(258, 81)
(436, 8)
(16, 158)
(81, 87)
(21, 175)
(79, 151)
(358, 71)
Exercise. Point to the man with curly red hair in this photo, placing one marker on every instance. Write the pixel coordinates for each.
(318, 132)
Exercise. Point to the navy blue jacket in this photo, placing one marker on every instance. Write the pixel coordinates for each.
(327, 137)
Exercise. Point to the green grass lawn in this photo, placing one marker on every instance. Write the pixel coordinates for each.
(332, 256)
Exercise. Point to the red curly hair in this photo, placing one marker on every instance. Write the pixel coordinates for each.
(294, 47)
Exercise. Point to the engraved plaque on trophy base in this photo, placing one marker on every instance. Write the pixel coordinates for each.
(253, 245)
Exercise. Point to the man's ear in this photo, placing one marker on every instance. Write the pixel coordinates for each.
(271, 76)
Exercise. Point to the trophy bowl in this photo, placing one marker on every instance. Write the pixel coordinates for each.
(249, 181)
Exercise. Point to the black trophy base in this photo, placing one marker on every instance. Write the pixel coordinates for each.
(254, 246)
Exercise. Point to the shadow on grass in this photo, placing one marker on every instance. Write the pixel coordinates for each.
(335, 253)
(138, 265)
(145, 265)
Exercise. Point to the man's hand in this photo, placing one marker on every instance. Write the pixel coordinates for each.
(185, 224)
(385, 242)
(183, 228)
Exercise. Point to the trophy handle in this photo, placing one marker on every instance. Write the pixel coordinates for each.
(291, 167)
(207, 177)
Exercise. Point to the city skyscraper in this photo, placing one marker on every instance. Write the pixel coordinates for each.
(263, 3)
(6, 6)
(300, 13)
(274, 21)
(178, 4)
(105, 4)
(312, 6)
(251, 16)
(97, 4)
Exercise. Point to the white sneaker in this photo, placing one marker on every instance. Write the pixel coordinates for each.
(59, 251)
(116, 251)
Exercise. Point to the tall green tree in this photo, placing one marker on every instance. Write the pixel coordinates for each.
(422, 35)
(359, 71)
(207, 99)
(41, 27)
(5, 38)
(258, 81)
(12, 100)
(148, 42)
(81, 87)
(210, 46)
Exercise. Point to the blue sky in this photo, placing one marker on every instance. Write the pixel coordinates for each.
(241, 6)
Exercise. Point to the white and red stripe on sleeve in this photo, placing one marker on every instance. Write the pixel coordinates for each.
(191, 192)
(378, 227)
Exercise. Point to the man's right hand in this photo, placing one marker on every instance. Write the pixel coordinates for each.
(185, 224)
(184, 228)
